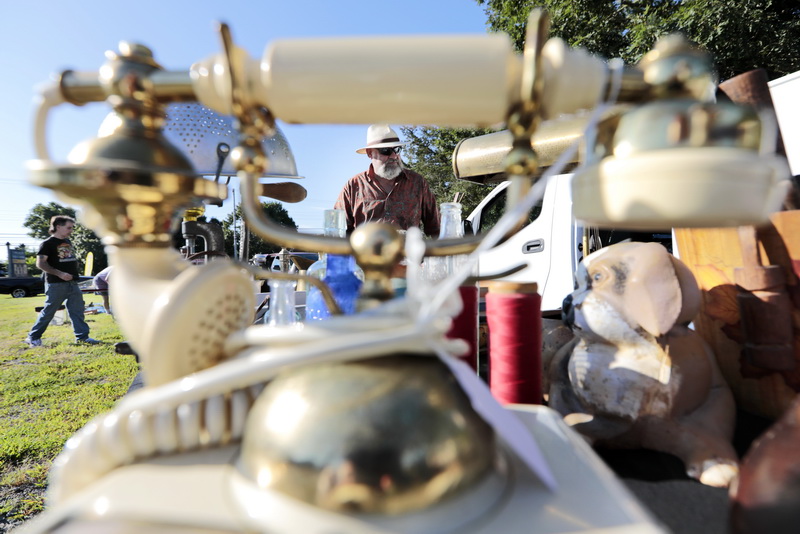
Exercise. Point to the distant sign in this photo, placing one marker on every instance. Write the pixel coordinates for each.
(16, 260)
(16, 254)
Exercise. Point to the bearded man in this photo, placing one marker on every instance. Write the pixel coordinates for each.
(387, 191)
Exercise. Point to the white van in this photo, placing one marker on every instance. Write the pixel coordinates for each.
(551, 244)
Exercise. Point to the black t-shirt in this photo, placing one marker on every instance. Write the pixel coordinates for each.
(61, 256)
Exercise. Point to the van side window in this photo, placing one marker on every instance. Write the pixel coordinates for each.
(610, 237)
(495, 209)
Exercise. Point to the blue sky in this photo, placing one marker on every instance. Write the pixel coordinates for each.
(42, 38)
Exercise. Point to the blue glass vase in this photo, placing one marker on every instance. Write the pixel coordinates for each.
(340, 276)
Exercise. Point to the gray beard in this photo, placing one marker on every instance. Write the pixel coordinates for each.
(387, 172)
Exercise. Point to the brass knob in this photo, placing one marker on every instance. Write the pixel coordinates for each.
(674, 68)
(378, 247)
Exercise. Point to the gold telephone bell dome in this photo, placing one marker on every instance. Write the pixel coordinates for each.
(387, 435)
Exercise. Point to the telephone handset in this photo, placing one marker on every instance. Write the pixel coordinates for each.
(175, 314)
(189, 324)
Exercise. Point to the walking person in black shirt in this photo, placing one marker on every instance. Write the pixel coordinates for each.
(57, 259)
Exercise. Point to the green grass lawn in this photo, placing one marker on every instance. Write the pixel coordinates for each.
(47, 393)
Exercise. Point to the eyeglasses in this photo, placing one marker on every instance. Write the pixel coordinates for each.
(388, 151)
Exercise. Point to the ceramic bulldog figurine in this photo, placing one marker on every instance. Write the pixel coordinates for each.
(635, 375)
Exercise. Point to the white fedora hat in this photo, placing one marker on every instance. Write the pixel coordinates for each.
(379, 136)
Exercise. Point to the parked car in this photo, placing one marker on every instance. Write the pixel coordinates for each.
(30, 286)
(21, 286)
(298, 260)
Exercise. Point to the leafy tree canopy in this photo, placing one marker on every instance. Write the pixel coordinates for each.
(274, 210)
(38, 220)
(83, 239)
(741, 35)
(430, 152)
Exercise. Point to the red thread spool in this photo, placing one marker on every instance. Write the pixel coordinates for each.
(513, 312)
(465, 324)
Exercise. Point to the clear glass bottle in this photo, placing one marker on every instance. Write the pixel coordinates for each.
(281, 303)
(450, 226)
(450, 220)
(334, 225)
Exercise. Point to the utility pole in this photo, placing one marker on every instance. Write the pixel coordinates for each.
(244, 252)
(234, 226)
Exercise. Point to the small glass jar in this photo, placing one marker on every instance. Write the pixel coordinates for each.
(281, 303)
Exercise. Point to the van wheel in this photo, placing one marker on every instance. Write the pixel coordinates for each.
(19, 292)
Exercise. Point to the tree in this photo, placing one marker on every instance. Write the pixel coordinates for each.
(430, 153)
(274, 210)
(38, 220)
(596, 24)
(30, 263)
(82, 238)
(741, 35)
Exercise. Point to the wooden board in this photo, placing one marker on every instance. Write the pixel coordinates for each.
(712, 254)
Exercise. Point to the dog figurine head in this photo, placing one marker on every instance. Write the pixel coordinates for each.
(641, 282)
(635, 375)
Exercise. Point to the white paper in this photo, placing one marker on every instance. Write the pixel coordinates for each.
(505, 423)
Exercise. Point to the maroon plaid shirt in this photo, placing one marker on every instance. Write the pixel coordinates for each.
(406, 202)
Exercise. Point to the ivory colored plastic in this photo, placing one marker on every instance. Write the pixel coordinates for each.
(174, 314)
(444, 80)
(682, 187)
(203, 490)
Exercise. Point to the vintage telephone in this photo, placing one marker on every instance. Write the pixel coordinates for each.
(260, 428)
